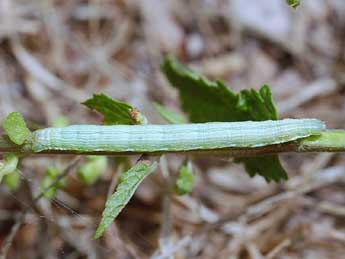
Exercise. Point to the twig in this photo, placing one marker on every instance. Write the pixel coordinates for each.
(327, 141)
(179, 245)
(38, 71)
(21, 217)
(324, 206)
(276, 250)
(320, 179)
(165, 244)
(320, 87)
(253, 250)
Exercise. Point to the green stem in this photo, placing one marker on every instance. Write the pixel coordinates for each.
(327, 141)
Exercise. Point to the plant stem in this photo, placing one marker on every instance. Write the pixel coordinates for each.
(327, 141)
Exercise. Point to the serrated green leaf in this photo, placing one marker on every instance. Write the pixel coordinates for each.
(206, 101)
(114, 111)
(8, 165)
(185, 179)
(293, 3)
(169, 116)
(258, 104)
(272, 166)
(128, 183)
(15, 127)
(51, 174)
(94, 167)
(203, 100)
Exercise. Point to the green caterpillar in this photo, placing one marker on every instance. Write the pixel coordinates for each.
(174, 138)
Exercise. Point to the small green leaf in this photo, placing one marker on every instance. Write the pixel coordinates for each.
(293, 3)
(15, 127)
(94, 167)
(8, 165)
(128, 183)
(206, 101)
(12, 181)
(169, 116)
(51, 174)
(114, 111)
(185, 179)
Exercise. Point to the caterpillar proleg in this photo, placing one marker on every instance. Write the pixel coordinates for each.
(174, 137)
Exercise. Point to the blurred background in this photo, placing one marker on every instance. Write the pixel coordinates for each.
(56, 54)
